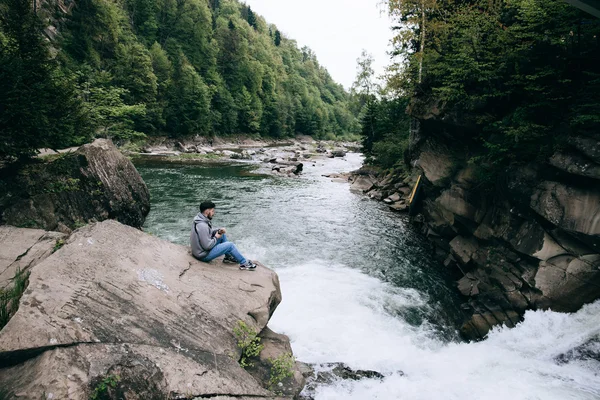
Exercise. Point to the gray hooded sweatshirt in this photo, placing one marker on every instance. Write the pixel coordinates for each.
(202, 237)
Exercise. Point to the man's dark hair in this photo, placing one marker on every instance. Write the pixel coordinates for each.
(206, 205)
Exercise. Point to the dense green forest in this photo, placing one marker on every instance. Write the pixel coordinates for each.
(124, 69)
(515, 78)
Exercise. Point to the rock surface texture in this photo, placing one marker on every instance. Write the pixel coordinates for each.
(21, 249)
(117, 305)
(94, 183)
(532, 244)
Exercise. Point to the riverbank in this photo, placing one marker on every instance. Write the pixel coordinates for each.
(284, 157)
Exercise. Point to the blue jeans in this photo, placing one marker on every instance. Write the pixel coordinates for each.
(224, 247)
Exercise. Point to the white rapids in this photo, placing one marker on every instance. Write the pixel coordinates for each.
(337, 314)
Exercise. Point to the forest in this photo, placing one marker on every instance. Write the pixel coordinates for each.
(514, 78)
(128, 69)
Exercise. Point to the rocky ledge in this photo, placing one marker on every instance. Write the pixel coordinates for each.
(117, 313)
(530, 240)
(68, 190)
(531, 243)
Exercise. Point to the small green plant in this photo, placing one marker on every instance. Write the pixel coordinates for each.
(59, 243)
(281, 367)
(9, 297)
(249, 342)
(79, 224)
(64, 185)
(109, 381)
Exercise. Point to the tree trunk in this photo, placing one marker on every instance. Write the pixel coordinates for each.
(422, 49)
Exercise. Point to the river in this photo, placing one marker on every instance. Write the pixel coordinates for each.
(359, 286)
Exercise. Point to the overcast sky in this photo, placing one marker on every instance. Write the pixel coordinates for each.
(337, 31)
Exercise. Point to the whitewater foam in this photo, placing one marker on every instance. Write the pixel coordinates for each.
(338, 314)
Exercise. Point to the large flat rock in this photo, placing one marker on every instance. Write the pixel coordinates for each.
(114, 301)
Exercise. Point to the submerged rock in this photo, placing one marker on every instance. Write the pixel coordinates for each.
(94, 183)
(116, 304)
(326, 374)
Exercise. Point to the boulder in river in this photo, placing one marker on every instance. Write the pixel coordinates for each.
(94, 183)
(115, 305)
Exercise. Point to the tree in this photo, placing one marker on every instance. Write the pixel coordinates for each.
(364, 88)
(412, 28)
(277, 38)
(251, 18)
(38, 104)
(188, 112)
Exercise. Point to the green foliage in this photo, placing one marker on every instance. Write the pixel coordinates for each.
(282, 367)
(249, 342)
(131, 68)
(9, 297)
(59, 243)
(521, 75)
(38, 102)
(385, 131)
(102, 388)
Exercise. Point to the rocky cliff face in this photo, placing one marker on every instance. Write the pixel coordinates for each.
(533, 244)
(94, 183)
(117, 313)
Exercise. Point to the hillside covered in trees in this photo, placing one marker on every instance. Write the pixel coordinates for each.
(512, 79)
(127, 68)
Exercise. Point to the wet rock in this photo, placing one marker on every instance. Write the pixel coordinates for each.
(399, 206)
(339, 153)
(590, 350)
(567, 281)
(436, 162)
(362, 183)
(375, 194)
(481, 323)
(463, 249)
(114, 301)
(92, 184)
(326, 374)
(395, 197)
(576, 164)
(587, 145)
(277, 347)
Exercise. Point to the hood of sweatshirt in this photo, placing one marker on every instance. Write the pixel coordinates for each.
(201, 217)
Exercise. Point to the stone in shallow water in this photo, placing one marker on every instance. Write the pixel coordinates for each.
(326, 374)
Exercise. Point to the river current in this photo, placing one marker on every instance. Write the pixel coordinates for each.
(359, 287)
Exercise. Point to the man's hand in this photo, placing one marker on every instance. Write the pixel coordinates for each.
(218, 235)
(222, 231)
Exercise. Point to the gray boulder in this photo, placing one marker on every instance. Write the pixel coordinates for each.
(115, 304)
(92, 184)
(362, 183)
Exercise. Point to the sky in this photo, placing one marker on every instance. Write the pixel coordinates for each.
(336, 30)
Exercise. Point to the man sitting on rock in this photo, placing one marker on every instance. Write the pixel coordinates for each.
(208, 243)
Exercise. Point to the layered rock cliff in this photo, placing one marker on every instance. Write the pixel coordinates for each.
(533, 242)
(117, 313)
